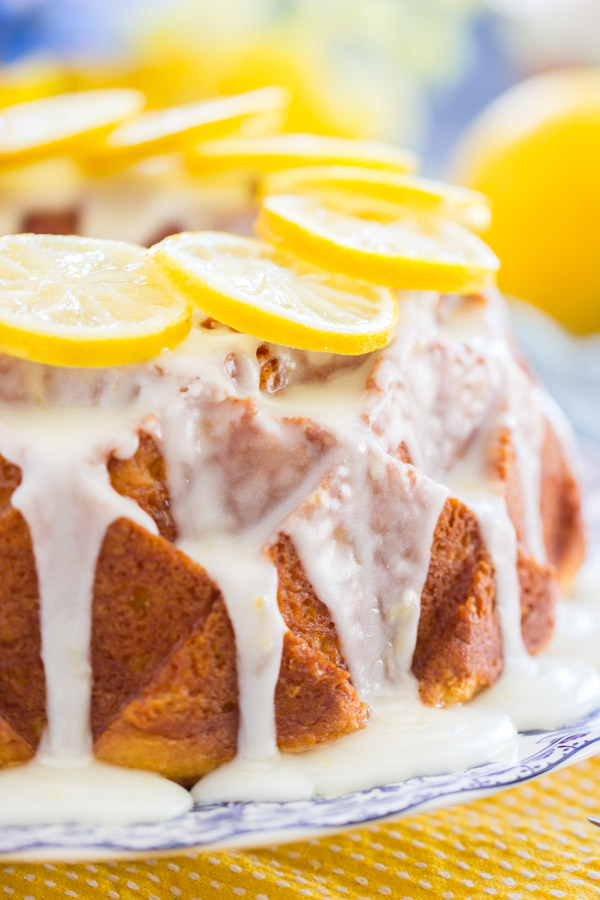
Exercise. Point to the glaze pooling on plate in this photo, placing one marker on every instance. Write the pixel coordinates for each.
(255, 824)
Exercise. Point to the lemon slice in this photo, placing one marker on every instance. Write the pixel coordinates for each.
(69, 122)
(252, 287)
(361, 191)
(162, 130)
(72, 301)
(288, 151)
(419, 251)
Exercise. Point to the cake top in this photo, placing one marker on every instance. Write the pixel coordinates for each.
(338, 241)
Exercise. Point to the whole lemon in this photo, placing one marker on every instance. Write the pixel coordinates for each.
(535, 152)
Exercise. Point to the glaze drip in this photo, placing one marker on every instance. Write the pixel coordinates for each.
(68, 503)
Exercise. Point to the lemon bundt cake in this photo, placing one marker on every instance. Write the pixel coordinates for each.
(349, 506)
(254, 493)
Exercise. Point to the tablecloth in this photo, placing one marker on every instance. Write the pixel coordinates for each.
(531, 842)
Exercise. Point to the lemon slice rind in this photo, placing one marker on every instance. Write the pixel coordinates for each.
(252, 287)
(158, 131)
(288, 151)
(360, 191)
(416, 252)
(84, 302)
(72, 122)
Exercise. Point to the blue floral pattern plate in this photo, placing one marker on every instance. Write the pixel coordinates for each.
(253, 824)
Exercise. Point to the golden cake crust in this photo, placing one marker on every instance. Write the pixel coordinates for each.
(22, 685)
(459, 647)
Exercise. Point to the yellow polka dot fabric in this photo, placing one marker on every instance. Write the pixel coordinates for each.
(531, 842)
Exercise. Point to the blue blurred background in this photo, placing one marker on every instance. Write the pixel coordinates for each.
(428, 65)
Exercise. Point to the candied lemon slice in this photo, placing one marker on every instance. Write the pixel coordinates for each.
(162, 130)
(251, 286)
(69, 122)
(418, 251)
(361, 191)
(288, 151)
(72, 301)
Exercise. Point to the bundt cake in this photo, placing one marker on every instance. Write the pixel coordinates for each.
(353, 476)
(241, 549)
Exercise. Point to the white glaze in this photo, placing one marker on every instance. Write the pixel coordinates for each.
(68, 503)
(577, 629)
(158, 193)
(361, 522)
(370, 579)
(403, 739)
(544, 692)
(137, 204)
(248, 582)
(89, 794)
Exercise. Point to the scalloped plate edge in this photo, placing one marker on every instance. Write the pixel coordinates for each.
(248, 839)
